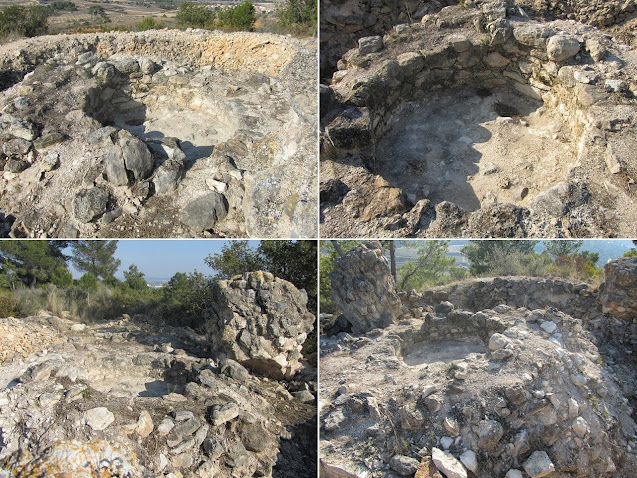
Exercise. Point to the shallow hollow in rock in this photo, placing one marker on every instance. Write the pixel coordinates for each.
(151, 112)
(448, 351)
(472, 147)
(446, 128)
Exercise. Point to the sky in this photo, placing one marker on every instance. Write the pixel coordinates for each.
(161, 259)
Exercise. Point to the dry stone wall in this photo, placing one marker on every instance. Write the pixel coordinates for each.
(363, 288)
(535, 59)
(528, 394)
(260, 321)
(161, 133)
(575, 299)
(571, 68)
(485, 386)
(618, 294)
(343, 22)
(601, 13)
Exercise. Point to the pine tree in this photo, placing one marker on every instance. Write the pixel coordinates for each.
(32, 262)
(96, 257)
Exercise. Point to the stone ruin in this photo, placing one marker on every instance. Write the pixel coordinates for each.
(135, 398)
(261, 322)
(469, 382)
(618, 294)
(158, 134)
(476, 120)
(363, 288)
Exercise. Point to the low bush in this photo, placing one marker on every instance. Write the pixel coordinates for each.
(298, 15)
(7, 304)
(29, 301)
(149, 23)
(519, 264)
(24, 21)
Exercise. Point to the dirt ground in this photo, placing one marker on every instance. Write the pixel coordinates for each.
(473, 150)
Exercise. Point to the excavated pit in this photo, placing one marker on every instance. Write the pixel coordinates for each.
(427, 353)
(473, 148)
(478, 122)
(199, 124)
(232, 153)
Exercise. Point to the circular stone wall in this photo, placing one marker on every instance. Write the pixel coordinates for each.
(479, 122)
(163, 133)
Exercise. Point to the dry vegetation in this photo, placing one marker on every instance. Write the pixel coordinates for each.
(119, 13)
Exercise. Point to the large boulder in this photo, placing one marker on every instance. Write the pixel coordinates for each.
(205, 212)
(618, 294)
(562, 47)
(364, 289)
(261, 322)
(137, 157)
(90, 204)
(129, 156)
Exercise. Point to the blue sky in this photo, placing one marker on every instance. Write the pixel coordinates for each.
(161, 259)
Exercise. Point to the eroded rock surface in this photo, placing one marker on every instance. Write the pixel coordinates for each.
(157, 122)
(619, 292)
(134, 398)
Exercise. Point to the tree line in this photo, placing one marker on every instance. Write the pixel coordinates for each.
(431, 264)
(298, 16)
(35, 275)
(301, 15)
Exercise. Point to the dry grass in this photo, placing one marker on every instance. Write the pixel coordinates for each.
(120, 13)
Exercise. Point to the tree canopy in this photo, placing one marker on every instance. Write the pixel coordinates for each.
(294, 261)
(303, 12)
(431, 267)
(31, 262)
(560, 248)
(134, 278)
(96, 257)
(235, 258)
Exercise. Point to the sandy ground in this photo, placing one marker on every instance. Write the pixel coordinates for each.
(474, 150)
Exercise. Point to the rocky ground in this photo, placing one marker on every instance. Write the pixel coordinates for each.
(134, 398)
(501, 391)
(476, 120)
(158, 134)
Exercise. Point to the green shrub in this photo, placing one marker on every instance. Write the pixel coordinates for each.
(61, 277)
(194, 15)
(517, 263)
(298, 12)
(185, 299)
(88, 282)
(148, 23)
(240, 17)
(576, 268)
(29, 301)
(25, 21)
(63, 5)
